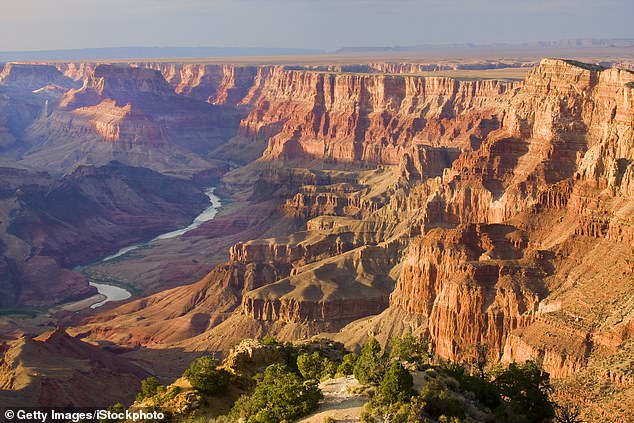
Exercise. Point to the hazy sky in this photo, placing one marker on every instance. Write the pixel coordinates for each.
(327, 24)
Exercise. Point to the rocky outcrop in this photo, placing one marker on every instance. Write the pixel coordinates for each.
(558, 168)
(31, 373)
(337, 290)
(472, 284)
(409, 68)
(251, 357)
(216, 84)
(30, 77)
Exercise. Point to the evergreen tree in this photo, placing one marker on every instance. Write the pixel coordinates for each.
(311, 366)
(410, 349)
(525, 389)
(280, 395)
(397, 384)
(149, 387)
(205, 375)
(371, 364)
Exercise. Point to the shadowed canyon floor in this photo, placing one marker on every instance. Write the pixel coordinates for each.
(381, 198)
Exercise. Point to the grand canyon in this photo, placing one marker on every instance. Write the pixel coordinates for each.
(484, 204)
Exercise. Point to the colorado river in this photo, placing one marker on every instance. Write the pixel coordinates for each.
(115, 293)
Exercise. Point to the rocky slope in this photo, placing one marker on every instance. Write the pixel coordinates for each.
(471, 212)
(30, 77)
(30, 373)
(50, 226)
(550, 192)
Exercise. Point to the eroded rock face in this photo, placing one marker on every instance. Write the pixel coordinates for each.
(507, 212)
(216, 84)
(473, 285)
(30, 77)
(558, 168)
(371, 118)
(130, 114)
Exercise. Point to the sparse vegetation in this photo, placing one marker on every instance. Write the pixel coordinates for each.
(205, 376)
(371, 365)
(311, 366)
(347, 365)
(409, 349)
(447, 392)
(524, 389)
(567, 413)
(397, 384)
(280, 395)
(149, 387)
(269, 340)
(517, 393)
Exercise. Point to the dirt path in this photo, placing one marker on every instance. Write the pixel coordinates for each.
(338, 403)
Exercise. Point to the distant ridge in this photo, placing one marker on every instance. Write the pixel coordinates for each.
(150, 53)
(567, 43)
(120, 53)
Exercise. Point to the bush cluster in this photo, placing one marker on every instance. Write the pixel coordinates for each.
(205, 375)
(280, 395)
(517, 393)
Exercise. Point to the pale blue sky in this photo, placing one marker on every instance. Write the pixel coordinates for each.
(326, 24)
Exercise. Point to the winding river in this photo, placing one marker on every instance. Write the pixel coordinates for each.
(115, 293)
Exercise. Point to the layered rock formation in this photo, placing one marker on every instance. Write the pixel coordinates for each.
(129, 114)
(557, 175)
(475, 212)
(30, 77)
(371, 118)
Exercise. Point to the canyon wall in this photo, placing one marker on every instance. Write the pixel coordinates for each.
(371, 118)
(558, 170)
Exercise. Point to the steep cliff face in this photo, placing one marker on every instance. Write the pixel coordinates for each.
(216, 84)
(558, 168)
(372, 118)
(337, 290)
(473, 284)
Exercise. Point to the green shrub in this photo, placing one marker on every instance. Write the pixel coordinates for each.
(347, 365)
(484, 391)
(149, 387)
(269, 340)
(398, 412)
(370, 366)
(439, 402)
(410, 349)
(205, 376)
(311, 366)
(397, 384)
(280, 395)
(524, 389)
(330, 369)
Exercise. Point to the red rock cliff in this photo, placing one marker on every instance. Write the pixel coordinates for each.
(374, 118)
